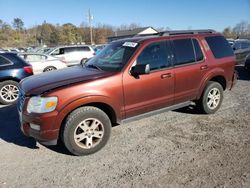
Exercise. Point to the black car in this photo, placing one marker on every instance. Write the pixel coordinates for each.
(241, 49)
(12, 70)
(247, 62)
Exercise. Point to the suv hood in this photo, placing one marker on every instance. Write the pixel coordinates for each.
(38, 84)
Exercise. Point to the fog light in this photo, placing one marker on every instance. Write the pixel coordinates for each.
(35, 127)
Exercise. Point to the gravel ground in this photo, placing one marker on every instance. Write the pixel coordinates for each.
(175, 149)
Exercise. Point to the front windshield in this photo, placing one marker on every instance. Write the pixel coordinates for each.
(113, 57)
(49, 51)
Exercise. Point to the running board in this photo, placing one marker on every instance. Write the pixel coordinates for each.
(155, 112)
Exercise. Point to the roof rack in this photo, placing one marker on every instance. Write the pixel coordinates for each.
(186, 32)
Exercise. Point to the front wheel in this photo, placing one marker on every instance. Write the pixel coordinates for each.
(86, 130)
(8, 92)
(211, 98)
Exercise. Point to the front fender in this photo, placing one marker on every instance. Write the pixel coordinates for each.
(65, 110)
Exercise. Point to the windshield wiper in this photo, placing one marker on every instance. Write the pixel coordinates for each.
(93, 66)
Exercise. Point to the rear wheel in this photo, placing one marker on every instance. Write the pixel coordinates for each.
(8, 92)
(211, 98)
(86, 130)
(50, 68)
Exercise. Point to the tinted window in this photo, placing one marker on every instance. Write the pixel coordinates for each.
(219, 46)
(70, 49)
(4, 61)
(84, 48)
(197, 49)
(184, 51)
(155, 55)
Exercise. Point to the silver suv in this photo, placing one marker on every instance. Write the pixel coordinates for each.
(72, 55)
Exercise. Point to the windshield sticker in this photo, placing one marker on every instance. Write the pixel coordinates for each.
(130, 44)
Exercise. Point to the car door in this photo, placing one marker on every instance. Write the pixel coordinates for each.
(154, 90)
(189, 68)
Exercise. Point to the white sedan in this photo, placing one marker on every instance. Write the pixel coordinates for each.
(43, 62)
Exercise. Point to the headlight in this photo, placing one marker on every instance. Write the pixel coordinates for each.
(41, 104)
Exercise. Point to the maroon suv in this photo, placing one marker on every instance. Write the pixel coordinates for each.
(129, 79)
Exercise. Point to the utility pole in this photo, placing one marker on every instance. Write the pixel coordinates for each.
(90, 18)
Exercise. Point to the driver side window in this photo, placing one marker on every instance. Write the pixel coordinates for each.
(155, 55)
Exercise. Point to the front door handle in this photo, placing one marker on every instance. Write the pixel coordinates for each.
(167, 75)
(204, 67)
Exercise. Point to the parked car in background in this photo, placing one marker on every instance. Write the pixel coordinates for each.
(129, 79)
(72, 55)
(43, 62)
(247, 62)
(230, 41)
(42, 50)
(98, 48)
(12, 70)
(241, 49)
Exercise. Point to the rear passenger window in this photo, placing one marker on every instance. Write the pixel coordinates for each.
(219, 46)
(155, 55)
(184, 51)
(69, 50)
(197, 49)
(4, 61)
(84, 48)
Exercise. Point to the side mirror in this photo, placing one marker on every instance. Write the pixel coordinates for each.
(140, 70)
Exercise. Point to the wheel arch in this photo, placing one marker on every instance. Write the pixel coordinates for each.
(104, 106)
(219, 77)
(10, 79)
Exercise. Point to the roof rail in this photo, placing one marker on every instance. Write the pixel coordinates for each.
(186, 32)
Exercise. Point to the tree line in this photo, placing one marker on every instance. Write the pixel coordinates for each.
(16, 35)
(240, 30)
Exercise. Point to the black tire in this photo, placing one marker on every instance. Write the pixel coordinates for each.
(207, 104)
(12, 97)
(80, 122)
(50, 68)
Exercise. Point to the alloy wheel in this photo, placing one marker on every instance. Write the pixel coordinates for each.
(9, 93)
(213, 98)
(89, 133)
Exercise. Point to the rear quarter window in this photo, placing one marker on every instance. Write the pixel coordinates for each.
(219, 46)
(4, 61)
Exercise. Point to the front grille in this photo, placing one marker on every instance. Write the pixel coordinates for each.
(21, 99)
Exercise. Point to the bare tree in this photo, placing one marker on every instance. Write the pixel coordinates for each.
(18, 24)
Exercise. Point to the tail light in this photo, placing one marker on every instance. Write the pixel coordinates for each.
(28, 69)
(94, 54)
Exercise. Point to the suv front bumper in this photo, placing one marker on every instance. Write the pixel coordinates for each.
(46, 134)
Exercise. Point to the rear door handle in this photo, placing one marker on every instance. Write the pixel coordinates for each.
(167, 75)
(204, 67)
